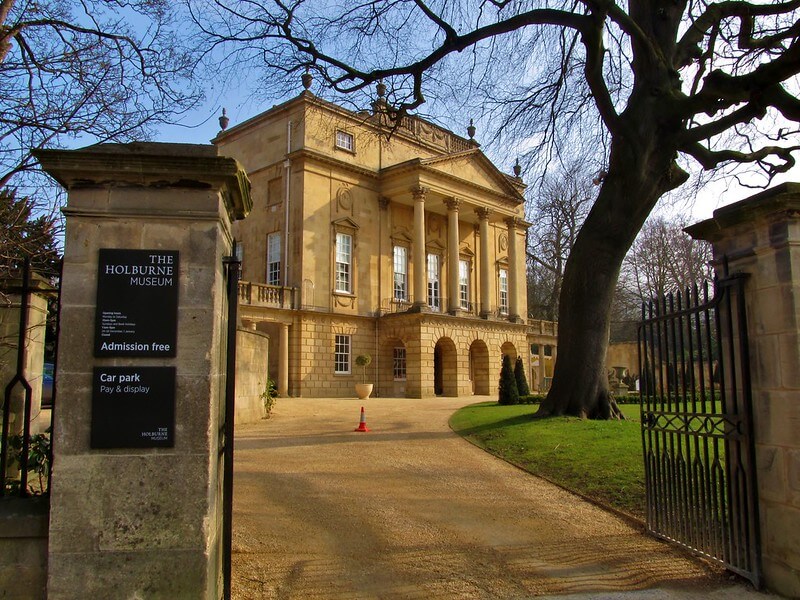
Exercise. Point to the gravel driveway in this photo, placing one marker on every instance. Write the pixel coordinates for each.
(410, 510)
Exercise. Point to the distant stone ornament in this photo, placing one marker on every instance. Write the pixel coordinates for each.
(517, 169)
(224, 120)
(471, 130)
(503, 242)
(344, 198)
(307, 79)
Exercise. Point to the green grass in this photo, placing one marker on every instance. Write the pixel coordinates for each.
(599, 459)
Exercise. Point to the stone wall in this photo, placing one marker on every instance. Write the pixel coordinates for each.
(760, 236)
(252, 356)
(23, 548)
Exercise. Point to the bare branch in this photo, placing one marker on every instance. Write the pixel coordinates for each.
(688, 46)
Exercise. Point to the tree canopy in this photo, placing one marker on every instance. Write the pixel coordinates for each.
(104, 69)
(656, 87)
(25, 235)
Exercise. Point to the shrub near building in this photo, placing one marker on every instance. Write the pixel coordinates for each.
(508, 393)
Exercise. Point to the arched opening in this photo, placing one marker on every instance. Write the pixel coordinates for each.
(479, 367)
(509, 349)
(445, 368)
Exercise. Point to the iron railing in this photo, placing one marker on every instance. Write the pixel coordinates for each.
(22, 451)
(699, 455)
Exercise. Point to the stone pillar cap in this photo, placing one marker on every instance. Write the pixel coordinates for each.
(781, 199)
(151, 164)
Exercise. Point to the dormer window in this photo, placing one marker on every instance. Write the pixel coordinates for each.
(345, 141)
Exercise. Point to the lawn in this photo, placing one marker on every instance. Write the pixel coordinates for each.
(599, 459)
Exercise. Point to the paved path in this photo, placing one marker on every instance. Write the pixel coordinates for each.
(410, 510)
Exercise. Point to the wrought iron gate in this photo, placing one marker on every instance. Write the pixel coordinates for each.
(232, 271)
(699, 456)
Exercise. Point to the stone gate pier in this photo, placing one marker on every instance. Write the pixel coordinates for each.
(760, 236)
(136, 506)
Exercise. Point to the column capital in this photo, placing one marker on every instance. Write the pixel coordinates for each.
(483, 212)
(452, 203)
(419, 192)
(383, 202)
(512, 222)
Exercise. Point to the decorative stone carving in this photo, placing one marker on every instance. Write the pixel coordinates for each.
(344, 199)
(419, 192)
(483, 212)
(452, 203)
(344, 301)
(434, 225)
(502, 242)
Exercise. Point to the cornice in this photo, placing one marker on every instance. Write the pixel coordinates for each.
(151, 164)
(315, 155)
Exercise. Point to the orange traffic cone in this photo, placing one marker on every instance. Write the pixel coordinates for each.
(362, 424)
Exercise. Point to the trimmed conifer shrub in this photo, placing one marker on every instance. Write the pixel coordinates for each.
(519, 375)
(508, 393)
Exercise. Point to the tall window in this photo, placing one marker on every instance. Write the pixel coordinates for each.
(341, 355)
(463, 283)
(504, 291)
(399, 364)
(274, 259)
(400, 273)
(344, 261)
(434, 289)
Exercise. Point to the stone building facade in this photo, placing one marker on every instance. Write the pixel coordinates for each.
(403, 242)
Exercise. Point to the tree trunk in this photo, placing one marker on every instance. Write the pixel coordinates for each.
(637, 177)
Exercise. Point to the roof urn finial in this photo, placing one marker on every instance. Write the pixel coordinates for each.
(517, 169)
(471, 130)
(307, 78)
(381, 87)
(224, 120)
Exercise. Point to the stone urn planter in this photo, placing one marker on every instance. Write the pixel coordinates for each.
(363, 389)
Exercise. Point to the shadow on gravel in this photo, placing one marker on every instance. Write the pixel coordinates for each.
(260, 443)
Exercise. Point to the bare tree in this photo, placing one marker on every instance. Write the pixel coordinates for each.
(664, 258)
(557, 211)
(670, 83)
(104, 69)
(25, 235)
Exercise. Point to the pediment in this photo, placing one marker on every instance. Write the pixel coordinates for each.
(435, 246)
(473, 166)
(345, 222)
(402, 235)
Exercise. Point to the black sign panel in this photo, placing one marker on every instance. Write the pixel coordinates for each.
(137, 303)
(133, 407)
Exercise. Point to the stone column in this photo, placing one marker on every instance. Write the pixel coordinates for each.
(418, 243)
(452, 254)
(513, 287)
(483, 219)
(760, 236)
(142, 520)
(283, 361)
(542, 369)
